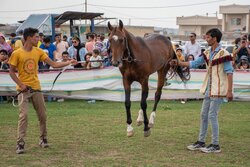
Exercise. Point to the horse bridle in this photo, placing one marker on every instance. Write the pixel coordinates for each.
(129, 58)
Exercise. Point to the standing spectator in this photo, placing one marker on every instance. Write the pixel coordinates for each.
(242, 50)
(4, 45)
(61, 46)
(91, 43)
(50, 49)
(97, 60)
(77, 51)
(192, 47)
(100, 45)
(41, 37)
(217, 84)
(15, 41)
(25, 62)
(65, 39)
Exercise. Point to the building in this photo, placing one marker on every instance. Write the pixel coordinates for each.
(235, 18)
(235, 22)
(197, 24)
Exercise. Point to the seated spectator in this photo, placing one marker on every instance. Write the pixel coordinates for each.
(50, 49)
(77, 51)
(4, 45)
(96, 60)
(65, 58)
(87, 59)
(243, 64)
(4, 58)
(190, 57)
(179, 54)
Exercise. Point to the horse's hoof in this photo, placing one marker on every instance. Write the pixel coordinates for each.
(147, 133)
(150, 125)
(139, 123)
(130, 133)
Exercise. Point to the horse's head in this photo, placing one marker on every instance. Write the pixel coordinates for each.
(118, 44)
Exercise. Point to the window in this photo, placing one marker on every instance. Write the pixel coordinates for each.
(236, 21)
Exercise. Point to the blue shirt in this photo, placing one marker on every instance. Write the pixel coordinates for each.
(50, 50)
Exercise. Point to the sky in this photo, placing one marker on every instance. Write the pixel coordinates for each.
(157, 13)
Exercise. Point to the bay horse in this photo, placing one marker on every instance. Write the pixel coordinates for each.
(137, 58)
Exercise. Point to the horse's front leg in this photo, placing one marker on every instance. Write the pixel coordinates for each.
(144, 97)
(127, 87)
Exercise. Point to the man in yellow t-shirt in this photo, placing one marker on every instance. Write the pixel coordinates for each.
(25, 61)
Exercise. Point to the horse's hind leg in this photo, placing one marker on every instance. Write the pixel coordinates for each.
(127, 87)
(161, 80)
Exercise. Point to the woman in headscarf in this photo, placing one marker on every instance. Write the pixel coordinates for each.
(4, 45)
(77, 51)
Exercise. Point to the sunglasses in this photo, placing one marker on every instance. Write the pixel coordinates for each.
(74, 41)
(191, 36)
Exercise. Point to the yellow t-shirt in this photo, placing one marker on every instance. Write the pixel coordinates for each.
(27, 66)
(39, 43)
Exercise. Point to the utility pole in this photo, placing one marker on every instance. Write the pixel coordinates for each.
(86, 10)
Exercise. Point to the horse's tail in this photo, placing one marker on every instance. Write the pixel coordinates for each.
(183, 73)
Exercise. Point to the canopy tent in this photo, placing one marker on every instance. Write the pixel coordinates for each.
(46, 22)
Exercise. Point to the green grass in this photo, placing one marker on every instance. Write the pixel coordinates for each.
(82, 134)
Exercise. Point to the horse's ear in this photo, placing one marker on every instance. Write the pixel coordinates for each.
(110, 26)
(120, 25)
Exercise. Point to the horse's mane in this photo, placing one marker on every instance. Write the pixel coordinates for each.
(137, 39)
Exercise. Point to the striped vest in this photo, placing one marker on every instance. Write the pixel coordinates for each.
(215, 73)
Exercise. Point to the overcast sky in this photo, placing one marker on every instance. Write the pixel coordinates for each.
(158, 13)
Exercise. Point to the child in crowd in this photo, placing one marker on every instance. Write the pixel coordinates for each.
(87, 59)
(96, 60)
(244, 63)
(179, 54)
(190, 57)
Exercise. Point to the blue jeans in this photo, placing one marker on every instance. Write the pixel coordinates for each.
(209, 112)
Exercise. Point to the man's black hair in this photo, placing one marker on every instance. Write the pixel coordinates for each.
(65, 52)
(215, 32)
(29, 32)
(193, 34)
(46, 40)
(57, 35)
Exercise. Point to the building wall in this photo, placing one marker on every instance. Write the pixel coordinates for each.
(231, 21)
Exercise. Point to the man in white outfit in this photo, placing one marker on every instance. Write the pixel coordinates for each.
(192, 47)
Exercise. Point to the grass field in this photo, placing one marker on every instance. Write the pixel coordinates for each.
(82, 134)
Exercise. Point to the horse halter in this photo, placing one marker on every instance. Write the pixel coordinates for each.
(129, 58)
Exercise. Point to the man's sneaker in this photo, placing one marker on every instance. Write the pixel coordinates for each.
(20, 148)
(43, 143)
(196, 146)
(212, 148)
